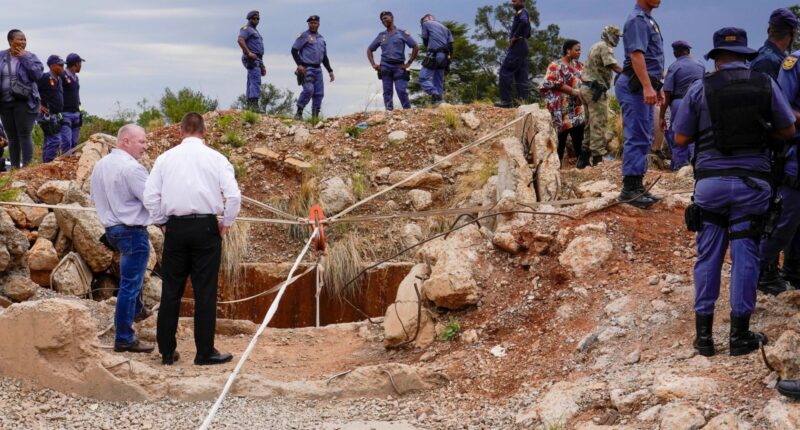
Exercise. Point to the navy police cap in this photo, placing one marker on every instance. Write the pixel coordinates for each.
(252, 14)
(313, 18)
(54, 59)
(681, 44)
(74, 58)
(783, 18)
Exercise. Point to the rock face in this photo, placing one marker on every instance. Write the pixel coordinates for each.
(26, 217)
(586, 253)
(405, 315)
(18, 288)
(539, 131)
(451, 284)
(73, 276)
(48, 229)
(42, 259)
(668, 386)
(424, 180)
(783, 355)
(84, 230)
(336, 195)
(52, 192)
(95, 148)
(681, 416)
(421, 199)
(782, 414)
(13, 246)
(397, 137)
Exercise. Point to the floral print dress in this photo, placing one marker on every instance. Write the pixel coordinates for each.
(566, 109)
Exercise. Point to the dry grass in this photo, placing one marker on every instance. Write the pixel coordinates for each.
(450, 117)
(342, 263)
(300, 205)
(475, 180)
(234, 250)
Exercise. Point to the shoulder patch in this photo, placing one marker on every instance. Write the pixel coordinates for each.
(299, 35)
(519, 12)
(789, 62)
(407, 33)
(244, 28)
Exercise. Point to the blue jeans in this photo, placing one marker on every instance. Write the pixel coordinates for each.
(432, 80)
(637, 128)
(732, 198)
(133, 244)
(313, 89)
(70, 130)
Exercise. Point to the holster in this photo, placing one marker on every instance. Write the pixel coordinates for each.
(300, 77)
(693, 216)
(635, 85)
(773, 216)
(598, 90)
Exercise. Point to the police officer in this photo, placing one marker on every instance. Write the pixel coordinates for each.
(638, 89)
(781, 33)
(52, 105)
(785, 237)
(728, 115)
(680, 77)
(309, 51)
(596, 77)
(439, 42)
(252, 57)
(72, 101)
(393, 69)
(515, 66)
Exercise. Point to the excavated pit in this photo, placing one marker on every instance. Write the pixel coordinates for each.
(298, 305)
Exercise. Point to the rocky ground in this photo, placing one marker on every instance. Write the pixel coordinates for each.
(579, 318)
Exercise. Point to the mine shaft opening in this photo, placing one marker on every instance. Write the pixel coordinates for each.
(298, 306)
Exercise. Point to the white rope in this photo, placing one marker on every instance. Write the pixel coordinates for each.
(270, 313)
(428, 168)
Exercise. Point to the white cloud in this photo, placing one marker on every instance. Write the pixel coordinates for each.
(155, 13)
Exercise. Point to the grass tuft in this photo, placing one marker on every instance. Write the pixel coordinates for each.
(451, 330)
(7, 193)
(451, 118)
(234, 250)
(233, 139)
(343, 263)
(249, 117)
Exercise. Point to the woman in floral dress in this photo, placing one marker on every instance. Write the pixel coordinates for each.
(562, 94)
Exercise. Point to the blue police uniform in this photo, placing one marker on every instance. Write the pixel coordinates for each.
(641, 33)
(72, 110)
(680, 76)
(255, 43)
(52, 93)
(784, 237)
(393, 55)
(733, 197)
(311, 52)
(515, 66)
(439, 41)
(769, 60)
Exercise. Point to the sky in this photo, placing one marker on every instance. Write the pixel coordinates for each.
(135, 49)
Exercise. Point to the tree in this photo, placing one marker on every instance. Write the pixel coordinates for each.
(174, 106)
(492, 24)
(272, 101)
(796, 11)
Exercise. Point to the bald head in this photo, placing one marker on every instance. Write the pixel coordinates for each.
(132, 139)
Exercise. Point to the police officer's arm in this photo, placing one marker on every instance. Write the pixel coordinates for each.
(372, 48)
(245, 50)
(640, 68)
(298, 61)
(411, 59)
(327, 63)
(669, 86)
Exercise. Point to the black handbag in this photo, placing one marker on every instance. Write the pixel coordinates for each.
(19, 90)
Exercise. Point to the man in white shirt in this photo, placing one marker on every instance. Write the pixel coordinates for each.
(118, 182)
(185, 193)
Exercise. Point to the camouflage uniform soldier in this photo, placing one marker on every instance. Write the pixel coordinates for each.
(597, 80)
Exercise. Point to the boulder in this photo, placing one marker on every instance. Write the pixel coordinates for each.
(681, 416)
(266, 153)
(471, 120)
(783, 356)
(31, 216)
(668, 387)
(72, 276)
(377, 118)
(52, 192)
(585, 254)
(104, 287)
(397, 137)
(48, 229)
(302, 136)
(18, 288)
(63, 244)
(76, 195)
(42, 259)
(84, 230)
(336, 195)
(452, 284)
(423, 180)
(13, 246)
(405, 316)
(560, 403)
(156, 241)
(5, 258)
(725, 421)
(151, 294)
(782, 414)
(596, 188)
(97, 147)
(421, 199)
(412, 233)
(538, 130)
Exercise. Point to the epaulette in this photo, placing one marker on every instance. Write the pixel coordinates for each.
(789, 62)
(300, 35)
(244, 28)
(407, 33)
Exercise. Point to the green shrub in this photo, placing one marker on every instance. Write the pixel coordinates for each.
(451, 330)
(225, 122)
(249, 117)
(233, 139)
(7, 193)
(175, 106)
(239, 169)
(353, 131)
(149, 117)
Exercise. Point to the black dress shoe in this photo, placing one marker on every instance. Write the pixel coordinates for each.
(215, 358)
(135, 346)
(503, 104)
(789, 388)
(170, 359)
(143, 315)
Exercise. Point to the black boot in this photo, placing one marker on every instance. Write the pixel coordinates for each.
(436, 100)
(583, 159)
(743, 341)
(791, 271)
(504, 104)
(631, 193)
(597, 159)
(314, 115)
(2, 164)
(299, 114)
(640, 190)
(770, 280)
(703, 340)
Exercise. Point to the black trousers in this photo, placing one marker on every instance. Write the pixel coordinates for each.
(192, 247)
(577, 140)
